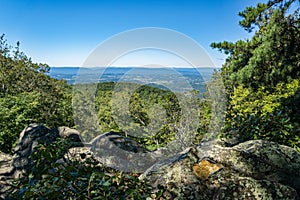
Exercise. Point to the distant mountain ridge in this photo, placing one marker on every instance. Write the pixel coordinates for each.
(196, 77)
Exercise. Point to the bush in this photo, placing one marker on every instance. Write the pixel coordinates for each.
(16, 112)
(266, 115)
(46, 178)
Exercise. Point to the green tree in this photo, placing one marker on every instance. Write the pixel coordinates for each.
(272, 54)
(261, 74)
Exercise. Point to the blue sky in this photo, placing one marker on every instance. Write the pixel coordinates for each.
(63, 33)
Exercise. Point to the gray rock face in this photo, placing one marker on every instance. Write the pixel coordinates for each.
(30, 137)
(72, 134)
(5, 169)
(116, 151)
(251, 170)
(5, 163)
(12, 166)
(124, 154)
(114, 139)
(34, 134)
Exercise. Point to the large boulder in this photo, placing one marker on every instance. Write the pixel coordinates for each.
(116, 151)
(30, 137)
(255, 169)
(35, 134)
(13, 166)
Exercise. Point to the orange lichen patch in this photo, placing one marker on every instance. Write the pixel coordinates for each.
(205, 168)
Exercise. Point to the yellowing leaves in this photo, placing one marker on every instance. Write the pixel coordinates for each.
(246, 102)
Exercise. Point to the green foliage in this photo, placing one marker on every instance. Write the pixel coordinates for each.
(262, 74)
(139, 107)
(270, 57)
(261, 14)
(18, 73)
(265, 115)
(47, 178)
(28, 95)
(143, 109)
(15, 113)
(41, 99)
(142, 101)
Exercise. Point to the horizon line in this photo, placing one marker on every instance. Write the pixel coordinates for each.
(146, 67)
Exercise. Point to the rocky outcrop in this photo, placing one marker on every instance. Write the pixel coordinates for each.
(121, 153)
(35, 134)
(254, 169)
(30, 137)
(13, 166)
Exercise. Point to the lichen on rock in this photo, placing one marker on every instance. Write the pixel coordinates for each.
(205, 168)
(254, 169)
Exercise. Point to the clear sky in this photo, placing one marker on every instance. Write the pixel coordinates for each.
(63, 33)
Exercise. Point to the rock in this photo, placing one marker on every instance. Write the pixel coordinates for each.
(206, 168)
(116, 151)
(5, 163)
(81, 154)
(14, 166)
(251, 170)
(35, 134)
(72, 134)
(5, 169)
(30, 137)
(117, 140)
(254, 169)
(124, 154)
(258, 158)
